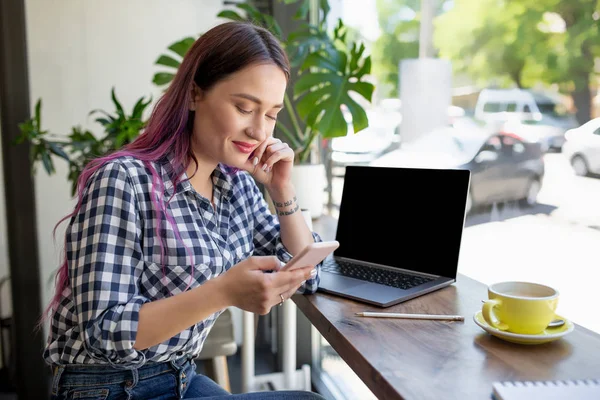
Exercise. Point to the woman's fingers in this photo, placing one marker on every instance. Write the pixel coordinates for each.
(279, 294)
(257, 154)
(257, 157)
(275, 153)
(286, 281)
(295, 287)
(276, 285)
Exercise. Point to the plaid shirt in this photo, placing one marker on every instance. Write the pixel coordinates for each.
(114, 257)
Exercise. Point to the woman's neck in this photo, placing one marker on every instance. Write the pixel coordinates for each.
(201, 178)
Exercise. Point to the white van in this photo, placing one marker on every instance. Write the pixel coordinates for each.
(506, 104)
(533, 115)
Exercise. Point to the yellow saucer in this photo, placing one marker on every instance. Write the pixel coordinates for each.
(549, 335)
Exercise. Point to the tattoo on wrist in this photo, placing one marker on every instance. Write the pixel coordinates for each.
(289, 212)
(285, 203)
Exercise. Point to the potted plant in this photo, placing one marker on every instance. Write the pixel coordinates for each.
(81, 145)
(328, 86)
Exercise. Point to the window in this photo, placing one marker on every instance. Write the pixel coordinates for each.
(513, 144)
(552, 109)
(493, 107)
(519, 148)
(536, 241)
(493, 144)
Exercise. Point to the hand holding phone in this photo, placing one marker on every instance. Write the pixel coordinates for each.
(311, 255)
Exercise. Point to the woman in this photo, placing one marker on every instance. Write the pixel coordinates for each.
(171, 230)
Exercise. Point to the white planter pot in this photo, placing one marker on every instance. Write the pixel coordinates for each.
(310, 182)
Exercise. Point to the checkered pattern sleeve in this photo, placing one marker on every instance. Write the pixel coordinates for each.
(267, 240)
(105, 260)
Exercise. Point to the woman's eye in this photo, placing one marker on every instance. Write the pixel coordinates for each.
(272, 118)
(243, 111)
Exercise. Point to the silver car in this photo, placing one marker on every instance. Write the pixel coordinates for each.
(582, 148)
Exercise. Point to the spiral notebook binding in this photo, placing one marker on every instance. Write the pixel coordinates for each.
(580, 389)
(572, 382)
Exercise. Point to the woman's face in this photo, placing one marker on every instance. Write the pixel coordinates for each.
(238, 113)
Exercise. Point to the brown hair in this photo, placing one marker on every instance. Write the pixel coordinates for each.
(231, 46)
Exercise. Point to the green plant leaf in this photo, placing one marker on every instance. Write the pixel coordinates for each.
(308, 106)
(272, 25)
(57, 149)
(168, 61)
(303, 10)
(120, 111)
(360, 120)
(325, 8)
(139, 107)
(365, 89)
(120, 140)
(335, 62)
(162, 78)
(313, 80)
(230, 14)
(182, 46)
(324, 89)
(289, 135)
(73, 176)
(365, 69)
(99, 111)
(103, 121)
(27, 132)
(252, 13)
(307, 39)
(333, 121)
(47, 162)
(354, 60)
(38, 114)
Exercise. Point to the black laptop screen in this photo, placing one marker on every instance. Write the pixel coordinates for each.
(403, 217)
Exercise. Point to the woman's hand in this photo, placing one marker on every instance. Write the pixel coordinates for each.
(271, 163)
(250, 287)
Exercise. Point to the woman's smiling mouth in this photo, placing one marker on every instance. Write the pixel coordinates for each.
(244, 147)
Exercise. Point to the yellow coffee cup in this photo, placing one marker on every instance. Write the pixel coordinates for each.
(520, 307)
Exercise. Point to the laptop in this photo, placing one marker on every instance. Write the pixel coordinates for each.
(400, 232)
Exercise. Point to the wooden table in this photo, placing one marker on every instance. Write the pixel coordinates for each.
(415, 359)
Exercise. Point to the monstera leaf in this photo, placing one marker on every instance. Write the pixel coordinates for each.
(172, 60)
(307, 39)
(325, 86)
(252, 14)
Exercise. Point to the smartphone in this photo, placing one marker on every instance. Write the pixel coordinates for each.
(311, 255)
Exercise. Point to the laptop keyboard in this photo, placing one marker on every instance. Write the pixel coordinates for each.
(382, 276)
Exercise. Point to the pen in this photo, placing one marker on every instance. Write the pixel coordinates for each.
(411, 316)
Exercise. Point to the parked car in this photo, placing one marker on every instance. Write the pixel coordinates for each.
(582, 148)
(504, 167)
(550, 137)
(531, 114)
(366, 145)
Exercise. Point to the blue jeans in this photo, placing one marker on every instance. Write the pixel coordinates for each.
(159, 381)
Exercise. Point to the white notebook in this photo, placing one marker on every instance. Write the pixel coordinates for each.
(582, 389)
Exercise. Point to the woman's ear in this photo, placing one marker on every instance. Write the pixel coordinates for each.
(196, 95)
